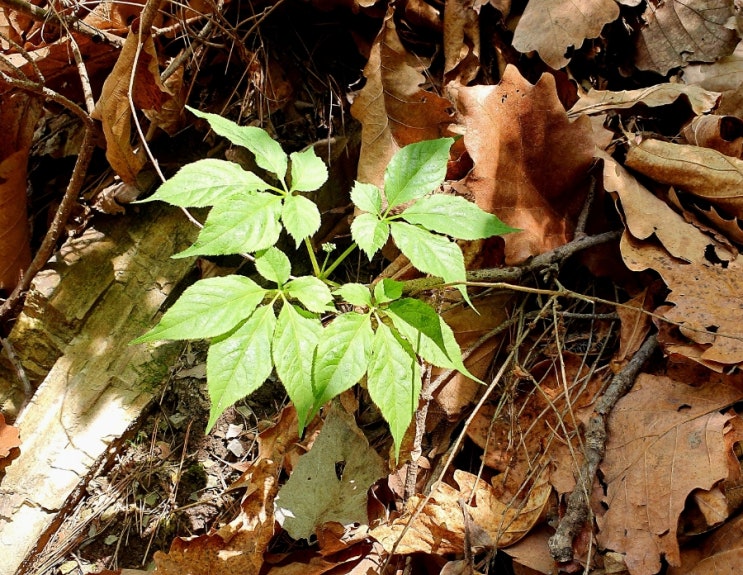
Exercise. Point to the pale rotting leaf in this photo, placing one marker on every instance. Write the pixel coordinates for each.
(665, 440)
(677, 32)
(330, 483)
(551, 27)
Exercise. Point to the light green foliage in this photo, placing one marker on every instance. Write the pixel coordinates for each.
(382, 339)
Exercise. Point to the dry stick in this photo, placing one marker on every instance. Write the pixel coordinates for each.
(42, 15)
(70, 196)
(561, 543)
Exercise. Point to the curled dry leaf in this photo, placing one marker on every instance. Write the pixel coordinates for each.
(646, 215)
(721, 133)
(392, 107)
(678, 32)
(597, 101)
(720, 76)
(721, 552)
(113, 109)
(461, 41)
(441, 526)
(700, 171)
(707, 298)
(665, 440)
(523, 171)
(551, 27)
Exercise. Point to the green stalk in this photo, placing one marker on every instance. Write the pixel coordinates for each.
(337, 262)
(313, 259)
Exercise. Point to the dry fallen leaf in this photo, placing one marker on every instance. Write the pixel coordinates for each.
(707, 298)
(392, 107)
(440, 527)
(523, 172)
(721, 552)
(551, 27)
(721, 133)
(677, 32)
(596, 101)
(700, 171)
(665, 440)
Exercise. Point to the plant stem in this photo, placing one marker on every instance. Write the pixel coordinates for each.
(337, 262)
(313, 259)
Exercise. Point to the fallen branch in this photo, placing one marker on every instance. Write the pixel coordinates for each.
(577, 513)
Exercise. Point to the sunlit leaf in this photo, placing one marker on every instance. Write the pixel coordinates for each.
(208, 308)
(370, 233)
(416, 170)
(308, 171)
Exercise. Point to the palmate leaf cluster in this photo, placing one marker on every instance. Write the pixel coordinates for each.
(255, 330)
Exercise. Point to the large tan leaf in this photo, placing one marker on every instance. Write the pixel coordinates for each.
(720, 553)
(113, 108)
(708, 299)
(647, 215)
(720, 76)
(461, 41)
(700, 171)
(665, 440)
(516, 134)
(440, 527)
(678, 31)
(596, 101)
(552, 26)
(392, 107)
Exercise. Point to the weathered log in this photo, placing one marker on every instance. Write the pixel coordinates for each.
(99, 292)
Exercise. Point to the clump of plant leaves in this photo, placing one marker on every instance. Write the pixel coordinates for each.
(255, 330)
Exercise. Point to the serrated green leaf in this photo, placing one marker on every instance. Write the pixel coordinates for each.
(312, 292)
(416, 170)
(394, 381)
(274, 265)
(450, 358)
(355, 294)
(430, 253)
(267, 151)
(239, 364)
(455, 217)
(308, 171)
(301, 217)
(370, 233)
(419, 315)
(342, 356)
(244, 224)
(387, 290)
(205, 183)
(208, 308)
(294, 344)
(367, 197)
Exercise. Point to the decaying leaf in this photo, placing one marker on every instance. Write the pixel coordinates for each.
(461, 41)
(441, 525)
(665, 440)
(597, 101)
(700, 171)
(523, 171)
(720, 76)
(330, 483)
(721, 133)
(707, 298)
(392, 107)
(551, 27)
(148, 93)
(721, 552)
(678, 31)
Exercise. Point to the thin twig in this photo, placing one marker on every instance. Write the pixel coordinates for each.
(42, 15)
(577, 513)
